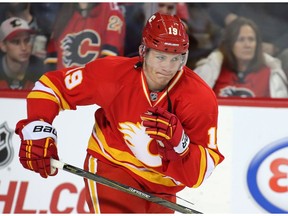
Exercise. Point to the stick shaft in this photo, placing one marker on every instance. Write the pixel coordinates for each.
(121, 187)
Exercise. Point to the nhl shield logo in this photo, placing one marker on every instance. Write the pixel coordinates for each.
(6, 150)
(153, 96)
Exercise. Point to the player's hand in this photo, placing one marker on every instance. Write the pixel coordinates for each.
(166, 128)
(38, 145)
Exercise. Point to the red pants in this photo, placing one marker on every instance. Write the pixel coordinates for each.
(103, 199)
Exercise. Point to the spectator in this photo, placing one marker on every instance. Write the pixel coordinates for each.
(86, 31)
(18, 68)
(23, 11)
(240, 68)
(45, 14)
(271, 19)
(283, 56)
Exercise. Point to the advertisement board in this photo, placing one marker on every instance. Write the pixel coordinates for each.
(253, 178)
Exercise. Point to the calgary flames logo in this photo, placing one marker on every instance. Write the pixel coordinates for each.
(80, 48)
(6, 150)
(234, 91)
(140, 143)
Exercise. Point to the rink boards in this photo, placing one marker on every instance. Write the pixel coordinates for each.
(252, 179)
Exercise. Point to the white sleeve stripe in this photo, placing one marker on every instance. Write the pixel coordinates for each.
(40, 87)
(210, 165)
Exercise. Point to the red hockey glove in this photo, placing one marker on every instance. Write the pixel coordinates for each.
(166, 128)
(38, 145)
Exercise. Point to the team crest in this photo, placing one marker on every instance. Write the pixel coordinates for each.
(6, 150)
(80, 48)
(140, 143)
(231, 91)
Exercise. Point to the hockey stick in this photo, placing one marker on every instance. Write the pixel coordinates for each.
(121, 187)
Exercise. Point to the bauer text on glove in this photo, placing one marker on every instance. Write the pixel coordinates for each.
(38, 145)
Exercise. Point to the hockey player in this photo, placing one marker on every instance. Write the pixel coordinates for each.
(156, 128)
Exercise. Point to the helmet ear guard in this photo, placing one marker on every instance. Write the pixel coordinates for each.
(142, 51)
(184, 60)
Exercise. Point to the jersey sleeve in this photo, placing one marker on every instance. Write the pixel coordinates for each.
(67, 88)
(200, 124)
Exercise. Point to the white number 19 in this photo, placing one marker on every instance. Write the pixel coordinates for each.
(173, 31)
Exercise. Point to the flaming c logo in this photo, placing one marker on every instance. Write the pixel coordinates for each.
(80, 48)
(6, 150)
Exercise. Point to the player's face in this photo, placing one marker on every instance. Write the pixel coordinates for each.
(245, 45)
(19, 48)
(160, 68)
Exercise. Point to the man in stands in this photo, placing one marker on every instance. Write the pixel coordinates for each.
(18, 68)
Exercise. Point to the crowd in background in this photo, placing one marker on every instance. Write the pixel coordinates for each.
(239, 49)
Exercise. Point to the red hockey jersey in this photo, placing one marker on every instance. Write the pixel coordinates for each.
(100, 33)
(253, 84)
(118, 136)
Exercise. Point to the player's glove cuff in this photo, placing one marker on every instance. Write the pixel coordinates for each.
(38, 130)
(183, 144)
(38, 146)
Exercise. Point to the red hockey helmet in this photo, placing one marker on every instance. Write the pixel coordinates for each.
(165, 33)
